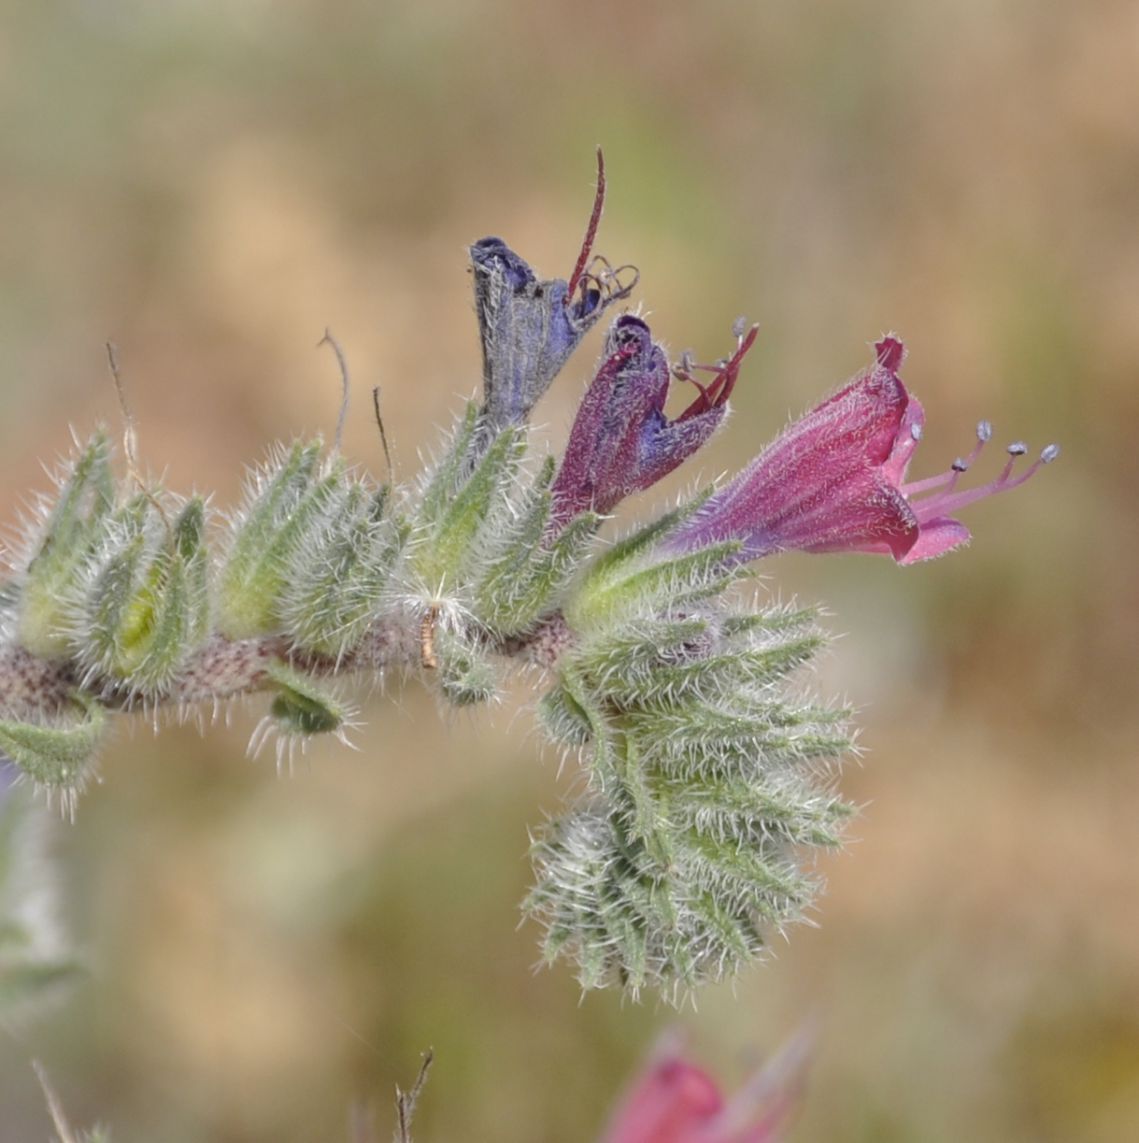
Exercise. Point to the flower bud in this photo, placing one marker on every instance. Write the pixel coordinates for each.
(456, 505)
(530, 568)
(70, 535)
(145, 605)
(286, 502)
(334, 590)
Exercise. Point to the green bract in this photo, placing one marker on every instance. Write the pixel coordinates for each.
(286, 504)
(459, 502)
(145, 606)
(70, 535)
(58, 753)
(532, 567)
(706, 775)
(299, 708)
(333, 590)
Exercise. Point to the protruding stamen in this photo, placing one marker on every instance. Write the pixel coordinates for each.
(687, 375)
(947, 481)
(984, 434)
(590, 230)
(739, 327)
(383, 435)
(727, 372)
(944, 480)
(605, 280)
(721, 389)
(948, 501)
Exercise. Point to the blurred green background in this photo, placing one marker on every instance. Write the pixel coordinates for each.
(212, 183)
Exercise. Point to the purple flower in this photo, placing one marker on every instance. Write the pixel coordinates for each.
(622, 441)
(835, 480)
(528, 327)
(673, 1101)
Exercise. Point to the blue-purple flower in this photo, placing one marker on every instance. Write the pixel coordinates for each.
(835, 480)
(529, 327)
(622, 441)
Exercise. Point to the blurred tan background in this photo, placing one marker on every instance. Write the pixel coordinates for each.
(212, 183)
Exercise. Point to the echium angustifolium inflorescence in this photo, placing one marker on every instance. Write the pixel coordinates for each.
(709, 777)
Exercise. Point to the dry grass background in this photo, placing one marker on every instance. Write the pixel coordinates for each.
(211, 184)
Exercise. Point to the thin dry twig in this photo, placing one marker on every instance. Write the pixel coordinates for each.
(345, 384)
(405, 1101)
(383, 435)
(55, 1108)
(130, 433)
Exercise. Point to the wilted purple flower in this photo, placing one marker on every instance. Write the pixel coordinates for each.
(673, 1101)
(834, 481)
(529, 327)
(622, 441)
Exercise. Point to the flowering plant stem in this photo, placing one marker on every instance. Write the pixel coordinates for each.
(709, 774)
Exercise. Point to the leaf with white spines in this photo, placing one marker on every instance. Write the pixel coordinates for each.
(58, 753)
(70, 534)
(336, 581)
(448, 542)
(145, 607)
(286, 503)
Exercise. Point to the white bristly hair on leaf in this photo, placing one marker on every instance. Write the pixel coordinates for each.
(707, 771)
(669, 691)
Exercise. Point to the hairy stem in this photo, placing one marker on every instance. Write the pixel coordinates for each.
(32, 686)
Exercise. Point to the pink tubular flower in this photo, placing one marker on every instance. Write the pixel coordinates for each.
(621, 441)
(834, 481)
(674, 1101)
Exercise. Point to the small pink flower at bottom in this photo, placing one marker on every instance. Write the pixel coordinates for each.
(673, 1101)
(835, 480)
